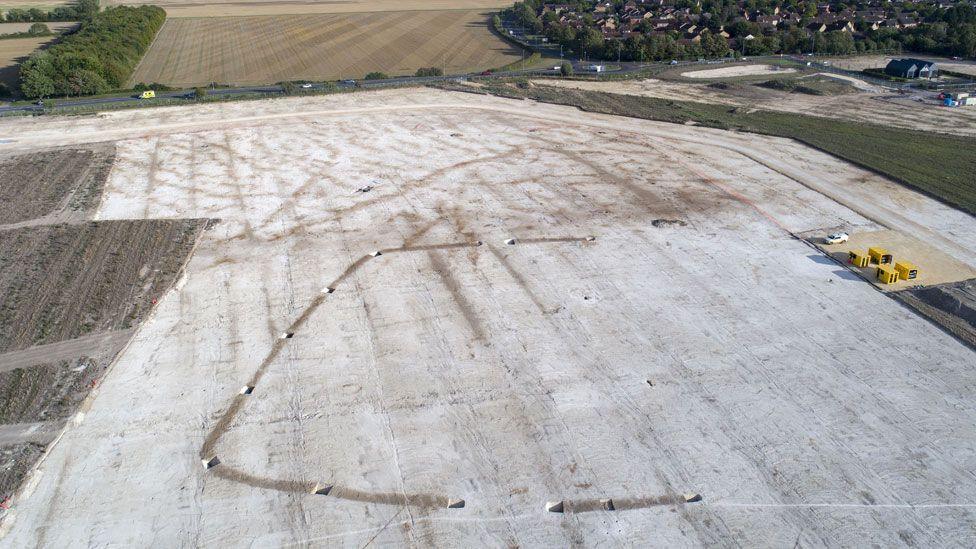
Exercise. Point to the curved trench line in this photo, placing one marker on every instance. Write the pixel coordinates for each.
(208, 454)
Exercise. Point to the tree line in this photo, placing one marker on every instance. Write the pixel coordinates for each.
(79, 11)
(98, 58)
(942, 31)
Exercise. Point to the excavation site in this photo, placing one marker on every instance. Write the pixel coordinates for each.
(419, 317)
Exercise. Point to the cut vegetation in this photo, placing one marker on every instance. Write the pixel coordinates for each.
(269, 49)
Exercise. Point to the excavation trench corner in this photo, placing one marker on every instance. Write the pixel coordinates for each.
(322, 489)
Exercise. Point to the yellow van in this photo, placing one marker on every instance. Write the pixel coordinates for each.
(148, 94)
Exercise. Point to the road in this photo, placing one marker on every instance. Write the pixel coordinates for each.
(579, 66)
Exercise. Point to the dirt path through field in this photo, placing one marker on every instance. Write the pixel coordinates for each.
(104, 343)
(38, 433)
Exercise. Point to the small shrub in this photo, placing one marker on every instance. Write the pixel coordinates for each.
(429, 71)
(566, 68)
(376, 76)
(38, 29)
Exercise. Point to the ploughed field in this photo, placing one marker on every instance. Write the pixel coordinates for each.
(268, 49)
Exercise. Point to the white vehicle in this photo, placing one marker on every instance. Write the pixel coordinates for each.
(674, 62)
(306, 86)
(837, 238)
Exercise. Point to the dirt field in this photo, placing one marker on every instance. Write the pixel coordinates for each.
(878, 61)
(509, 316)
(222, 8)
(53, 186)
(261, 50)
(738, 70)
(867, 106)
(12, 52)
(47, 298)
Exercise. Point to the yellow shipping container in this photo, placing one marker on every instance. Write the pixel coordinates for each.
(879, 256)
(858, 258)
(887, 275)
(905, 270)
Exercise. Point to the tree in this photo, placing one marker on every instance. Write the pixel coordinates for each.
(86, 82)
(37, 76)
(86, 9)
(199, 93)
(39, 29)
(376, 76)
(566, 68)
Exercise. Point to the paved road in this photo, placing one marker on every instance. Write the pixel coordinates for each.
(579, 66)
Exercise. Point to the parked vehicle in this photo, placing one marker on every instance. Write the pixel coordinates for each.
(836, 238)
(148, 94)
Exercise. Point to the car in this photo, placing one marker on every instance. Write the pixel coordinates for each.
(673, 62)
(306, 86)
(348, 82)
(486, 73)
(837, 238)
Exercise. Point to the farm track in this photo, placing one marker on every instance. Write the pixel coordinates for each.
(266, 49)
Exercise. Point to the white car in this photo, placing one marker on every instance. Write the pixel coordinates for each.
(306, 86)
(837, 238)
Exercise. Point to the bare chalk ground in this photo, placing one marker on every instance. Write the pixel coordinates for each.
(566, 307)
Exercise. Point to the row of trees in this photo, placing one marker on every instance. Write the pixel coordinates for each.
(82, 10)
(98, 58)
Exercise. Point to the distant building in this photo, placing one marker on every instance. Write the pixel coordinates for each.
(912, 68)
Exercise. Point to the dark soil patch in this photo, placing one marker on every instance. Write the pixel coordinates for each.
(15, 461)
(46, 392)
(63, 281)
(952, 306)
(43, 183)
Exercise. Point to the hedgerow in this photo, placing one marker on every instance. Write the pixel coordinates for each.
(98, 58)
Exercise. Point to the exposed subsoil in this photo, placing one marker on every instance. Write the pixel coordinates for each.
(952, 306)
